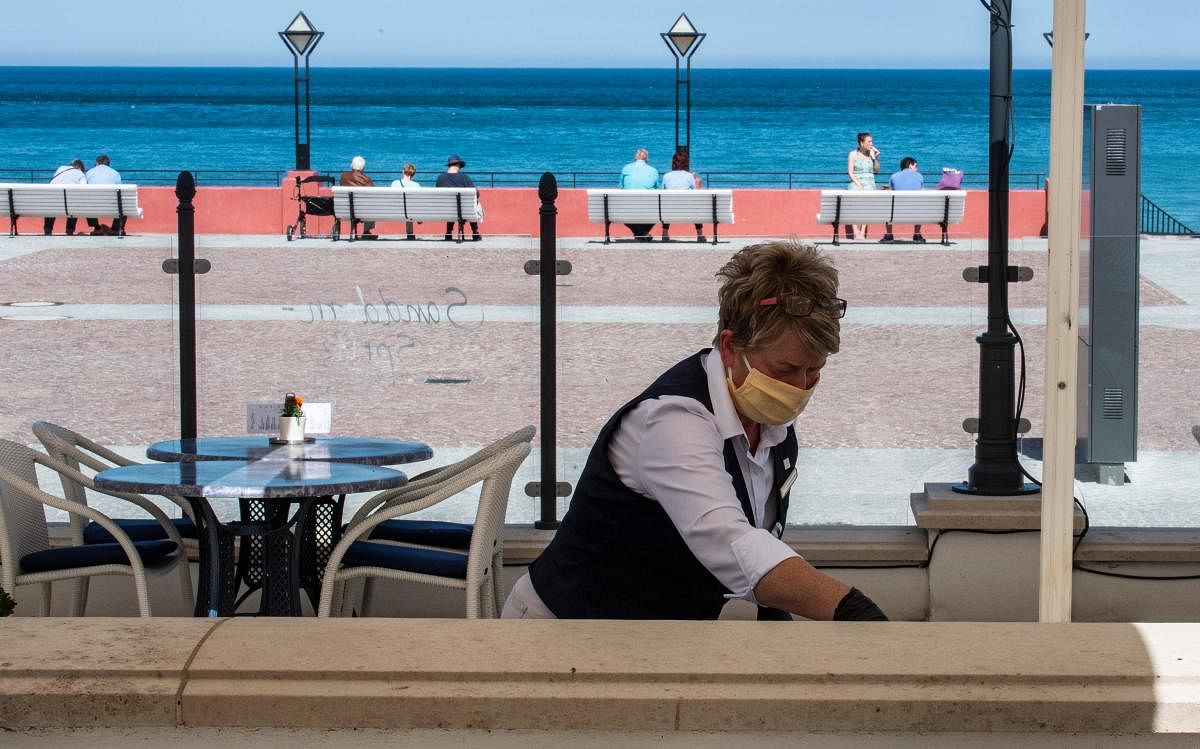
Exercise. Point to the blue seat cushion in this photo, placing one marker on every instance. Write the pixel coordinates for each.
(439, 533)
(138, 529)
(91, 555)
(406, 558)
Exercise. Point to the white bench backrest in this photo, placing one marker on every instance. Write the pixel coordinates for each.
(892, 206)
(408, 203)
(661, 206)
(89, 201)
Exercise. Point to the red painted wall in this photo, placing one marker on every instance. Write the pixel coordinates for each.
(268, 210)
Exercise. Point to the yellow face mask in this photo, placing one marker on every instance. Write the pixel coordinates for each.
(766, 400)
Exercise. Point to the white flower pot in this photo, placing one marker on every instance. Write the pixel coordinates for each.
(291, 428)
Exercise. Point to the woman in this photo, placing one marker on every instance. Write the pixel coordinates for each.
(407, 181)
(679, 178)
(861, 164)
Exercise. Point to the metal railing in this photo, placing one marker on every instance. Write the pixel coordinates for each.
(566, 179)
(1153, 219)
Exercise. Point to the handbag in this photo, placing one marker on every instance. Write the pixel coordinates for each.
(951, 179)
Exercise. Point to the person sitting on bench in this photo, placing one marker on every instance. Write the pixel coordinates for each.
(454, 177)
(356, 177)
(908, 178)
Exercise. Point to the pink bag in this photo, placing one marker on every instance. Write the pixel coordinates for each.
(951, 179)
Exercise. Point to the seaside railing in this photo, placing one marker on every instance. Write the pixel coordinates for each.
(1154, 220)
(566, 179)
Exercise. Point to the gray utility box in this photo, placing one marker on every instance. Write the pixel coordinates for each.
(1108, 329)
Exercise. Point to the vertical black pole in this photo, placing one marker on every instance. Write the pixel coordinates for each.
(548, 278)
(307, 118)
(185, 191)
(996, 470)
(678, 83)
(687, 132)
(296, 105)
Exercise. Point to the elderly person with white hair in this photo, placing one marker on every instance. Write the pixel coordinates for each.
(356, 177)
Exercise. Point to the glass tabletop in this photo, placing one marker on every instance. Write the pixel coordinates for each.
(366, 450)
(250, 480)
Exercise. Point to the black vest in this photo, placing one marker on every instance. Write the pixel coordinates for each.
(617, 555)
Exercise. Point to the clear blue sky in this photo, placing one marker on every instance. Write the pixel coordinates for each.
(567, 33)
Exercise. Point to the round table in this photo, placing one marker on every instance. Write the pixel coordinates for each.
(366, 450)
(278, 483)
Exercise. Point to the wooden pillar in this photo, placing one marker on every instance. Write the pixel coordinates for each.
(1062, 310)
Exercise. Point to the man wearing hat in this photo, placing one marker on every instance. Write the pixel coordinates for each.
(454, 177)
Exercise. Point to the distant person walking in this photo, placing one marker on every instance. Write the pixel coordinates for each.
(67, 174)
(680, 178)
(407, 182)
(357, 177)
(103, 174)
(861, 165)
(639, 175)
(454, 177)
(908, 178)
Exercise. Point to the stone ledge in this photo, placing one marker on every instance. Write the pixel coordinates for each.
(94, 672)
(816, 543)
(583, 675)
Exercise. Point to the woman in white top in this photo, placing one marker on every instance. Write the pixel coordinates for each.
(67, 174)
(679, 178)
(406, 180)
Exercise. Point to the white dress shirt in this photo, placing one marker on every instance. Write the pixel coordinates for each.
(671, 450)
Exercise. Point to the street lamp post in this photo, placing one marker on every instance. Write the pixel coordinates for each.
(683, 40)
(301, 39)
(996, 470)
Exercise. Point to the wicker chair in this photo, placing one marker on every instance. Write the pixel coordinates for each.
(78, 452)
(438, 534)
(25, 554)
(474, 571)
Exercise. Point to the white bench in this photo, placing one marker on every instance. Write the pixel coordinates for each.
(460, 204)
(941, 207)
(609, 206)
(79, 201)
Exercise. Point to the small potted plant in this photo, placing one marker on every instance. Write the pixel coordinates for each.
(291, 419)
(7, 604)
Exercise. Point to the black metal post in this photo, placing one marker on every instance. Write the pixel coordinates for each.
(185, 191)
(301, 153)
(678, 83)
(996, 470)
(548, 278)
(687, 131)
(302, 149)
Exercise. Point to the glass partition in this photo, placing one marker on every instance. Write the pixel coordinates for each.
(890, 404)
(429, 341)
(89, 328)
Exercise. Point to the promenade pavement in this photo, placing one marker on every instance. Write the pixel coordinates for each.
(438, 342)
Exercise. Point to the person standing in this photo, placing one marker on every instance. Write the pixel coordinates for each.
(683, 499)
(908, 178)
(680, 178)
(103, 174)
(357, 177)
(454, 177)
(67, 174)
(407, 182)
(861, 165)
(639, 175)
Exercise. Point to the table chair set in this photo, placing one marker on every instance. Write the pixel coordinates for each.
(282, 553)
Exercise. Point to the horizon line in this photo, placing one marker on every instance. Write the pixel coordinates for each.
(579, 67)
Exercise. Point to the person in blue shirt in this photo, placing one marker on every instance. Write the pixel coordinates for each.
(639, 175)
(908, 178)
(103, 174)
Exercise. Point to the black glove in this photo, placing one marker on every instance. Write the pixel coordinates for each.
(855, 606)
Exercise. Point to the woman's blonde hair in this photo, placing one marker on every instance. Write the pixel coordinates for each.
(409, 170)
(778, 269)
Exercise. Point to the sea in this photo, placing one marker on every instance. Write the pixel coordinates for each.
(749, 127)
